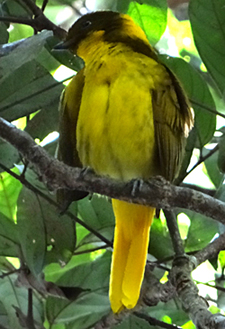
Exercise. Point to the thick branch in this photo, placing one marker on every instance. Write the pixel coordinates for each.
(153, 291)
(192, 303)
(156, 192)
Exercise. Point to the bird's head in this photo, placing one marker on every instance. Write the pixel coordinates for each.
(106, 26)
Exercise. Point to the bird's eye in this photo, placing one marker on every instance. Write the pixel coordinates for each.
(86, 24)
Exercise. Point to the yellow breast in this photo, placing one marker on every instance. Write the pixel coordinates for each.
(115, 130)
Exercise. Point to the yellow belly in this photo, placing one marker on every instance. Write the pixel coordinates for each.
(115, 130)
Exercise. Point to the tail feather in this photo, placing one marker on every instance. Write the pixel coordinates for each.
(130, 251)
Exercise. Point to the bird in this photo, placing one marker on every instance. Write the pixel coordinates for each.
(125, 116)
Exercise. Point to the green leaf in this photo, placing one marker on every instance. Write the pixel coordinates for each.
(9, 191)
(26, 86)
(91, 239)
(122, 6)
(20, 32)
(160, 242)
(22, 52)
(62, 56)
(32, 231)
(207, 22)
(4, 34)
(61, 234)
(201, 231)
(45, 57)
(8, 155)
(92, 275)
(11, 296)
(96, 211)
(221, 156)
(221, 258)
(83, 313)
(39, 226)
(15, 8)
(212, 168)
(169, 309)
(197, 91)
(65, 57)
(26, 90)
(133, 322)
(53, 272)
(9, 241)
(151, 16)
(44, 122)
(3, 316)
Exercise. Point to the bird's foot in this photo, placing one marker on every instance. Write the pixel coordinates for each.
(136, 186)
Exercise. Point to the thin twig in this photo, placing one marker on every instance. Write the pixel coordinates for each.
(39, 92)
(211, 250)
(2, 276)
(90, 250)
(44, 4)
(39, 22)
(207, 108)
(211, 286)
(154, 322)
(30, 318)
(203, 158)
(18, 20)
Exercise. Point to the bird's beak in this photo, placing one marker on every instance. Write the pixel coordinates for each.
(65, 44)
(61, 45)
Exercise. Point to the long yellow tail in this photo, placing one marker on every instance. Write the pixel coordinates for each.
(130, 251)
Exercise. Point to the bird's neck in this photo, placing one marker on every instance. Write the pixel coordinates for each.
(90, 46)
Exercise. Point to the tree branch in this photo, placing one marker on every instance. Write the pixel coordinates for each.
(211, 250)
(153, 291)
(192, 303)
(207, 191)
(156, 192)
(174, 232)
(39, 22)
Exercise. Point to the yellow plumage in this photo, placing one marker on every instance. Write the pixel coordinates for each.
(129, 256)
(126, 115)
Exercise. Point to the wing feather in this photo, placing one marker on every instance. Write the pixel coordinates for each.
(67, 151)
(172, 120)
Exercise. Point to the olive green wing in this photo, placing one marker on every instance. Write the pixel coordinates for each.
(67, 151)
(172, 120)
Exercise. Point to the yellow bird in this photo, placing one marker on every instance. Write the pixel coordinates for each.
(126, 116)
